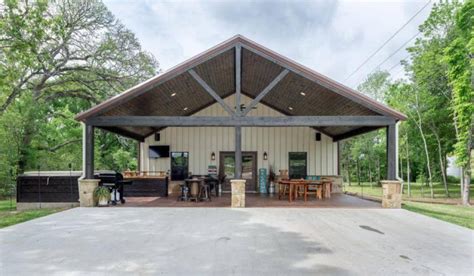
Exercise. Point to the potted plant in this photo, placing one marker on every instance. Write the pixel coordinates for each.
(102, 195)
(271, 180)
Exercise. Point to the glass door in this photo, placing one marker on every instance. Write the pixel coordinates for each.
(249, 169)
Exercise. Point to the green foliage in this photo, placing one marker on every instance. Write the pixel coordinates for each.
(57, 59)
(437, 97)
(459, 56)
(101, 192)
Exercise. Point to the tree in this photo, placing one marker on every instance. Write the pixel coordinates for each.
(58, 58)
(460, 59)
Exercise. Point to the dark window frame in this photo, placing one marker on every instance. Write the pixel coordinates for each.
(305, 165)
(171, 165)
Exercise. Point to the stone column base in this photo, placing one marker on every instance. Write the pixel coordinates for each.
(86, 192)
(392, 194)
(238, 193)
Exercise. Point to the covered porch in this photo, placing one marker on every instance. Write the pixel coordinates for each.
(236, 104)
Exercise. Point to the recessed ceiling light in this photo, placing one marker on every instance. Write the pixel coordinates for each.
(174, 94)
(290, 108)
(302, 94)
(185, 108)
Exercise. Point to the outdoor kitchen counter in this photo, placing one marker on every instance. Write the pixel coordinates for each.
(146, 186)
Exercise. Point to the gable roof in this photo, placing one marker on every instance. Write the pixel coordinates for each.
(260, 66)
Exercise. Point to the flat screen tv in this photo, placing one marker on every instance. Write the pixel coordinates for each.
(159, 151)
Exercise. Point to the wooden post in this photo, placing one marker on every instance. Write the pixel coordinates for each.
(238, 152)
(88, 145)
(391, 152)
(238, 112)
(238, 78)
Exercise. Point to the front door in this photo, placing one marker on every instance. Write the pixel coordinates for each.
(249, 169)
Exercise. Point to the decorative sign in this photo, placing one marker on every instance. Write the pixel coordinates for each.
(262, 180)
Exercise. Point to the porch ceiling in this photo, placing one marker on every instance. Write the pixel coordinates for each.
(302, 92)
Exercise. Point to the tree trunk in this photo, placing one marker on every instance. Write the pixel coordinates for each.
(369, 167)
(408, 168)
(358, 172)
(467, 184)
(348, 169)
(378, 170)
(467, 173)
(441, 162)
(425, 145)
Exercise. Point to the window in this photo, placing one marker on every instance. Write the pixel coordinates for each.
(179, 165)
(297, 165)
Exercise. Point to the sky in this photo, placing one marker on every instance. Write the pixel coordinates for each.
(331, 37)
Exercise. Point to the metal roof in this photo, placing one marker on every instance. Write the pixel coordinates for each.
(176, 93)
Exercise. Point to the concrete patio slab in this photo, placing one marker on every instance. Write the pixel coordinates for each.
(223, 241)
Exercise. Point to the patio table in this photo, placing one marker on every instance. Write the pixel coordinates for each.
(324, 191)
(292, 185)
(193, 185)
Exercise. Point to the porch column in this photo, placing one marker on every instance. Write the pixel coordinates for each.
(88, 148)
(391, 152)
(238, 152)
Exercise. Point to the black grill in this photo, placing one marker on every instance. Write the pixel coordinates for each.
(114, 181)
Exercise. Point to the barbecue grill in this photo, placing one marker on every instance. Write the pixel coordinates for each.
(114, 181)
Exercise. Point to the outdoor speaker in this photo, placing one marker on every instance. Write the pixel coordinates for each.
(157, 137)
(318, 136)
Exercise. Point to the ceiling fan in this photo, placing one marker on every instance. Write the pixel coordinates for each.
(242, 107)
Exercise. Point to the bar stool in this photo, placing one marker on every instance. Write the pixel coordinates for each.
(184, 192)
(205, 192)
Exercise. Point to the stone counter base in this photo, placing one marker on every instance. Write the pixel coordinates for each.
(392, 196)
(238, 193)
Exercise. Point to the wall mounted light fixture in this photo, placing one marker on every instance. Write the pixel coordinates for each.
(265, 156)
(213, 156)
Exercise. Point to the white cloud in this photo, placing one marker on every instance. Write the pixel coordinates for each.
(330, 37)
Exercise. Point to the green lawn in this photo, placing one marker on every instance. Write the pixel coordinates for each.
(457, 214)
(460, 215)
(418, 190)
(9, 215)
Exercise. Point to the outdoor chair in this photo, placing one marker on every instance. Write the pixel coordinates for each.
(301, 189)
(315, 189)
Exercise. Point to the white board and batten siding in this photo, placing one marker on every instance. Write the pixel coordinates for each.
(200, 142)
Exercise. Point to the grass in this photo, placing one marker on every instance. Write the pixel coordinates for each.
(418, 190)
(460, 215)
(9, 215)
(457, 214)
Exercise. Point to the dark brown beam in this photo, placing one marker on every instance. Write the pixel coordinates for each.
(354, 132)
(196, 121)
(88, 151)
(391, 152)
(124, 133)
(238, 152)
(238, 77)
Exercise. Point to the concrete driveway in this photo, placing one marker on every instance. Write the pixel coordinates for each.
(222, 241)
